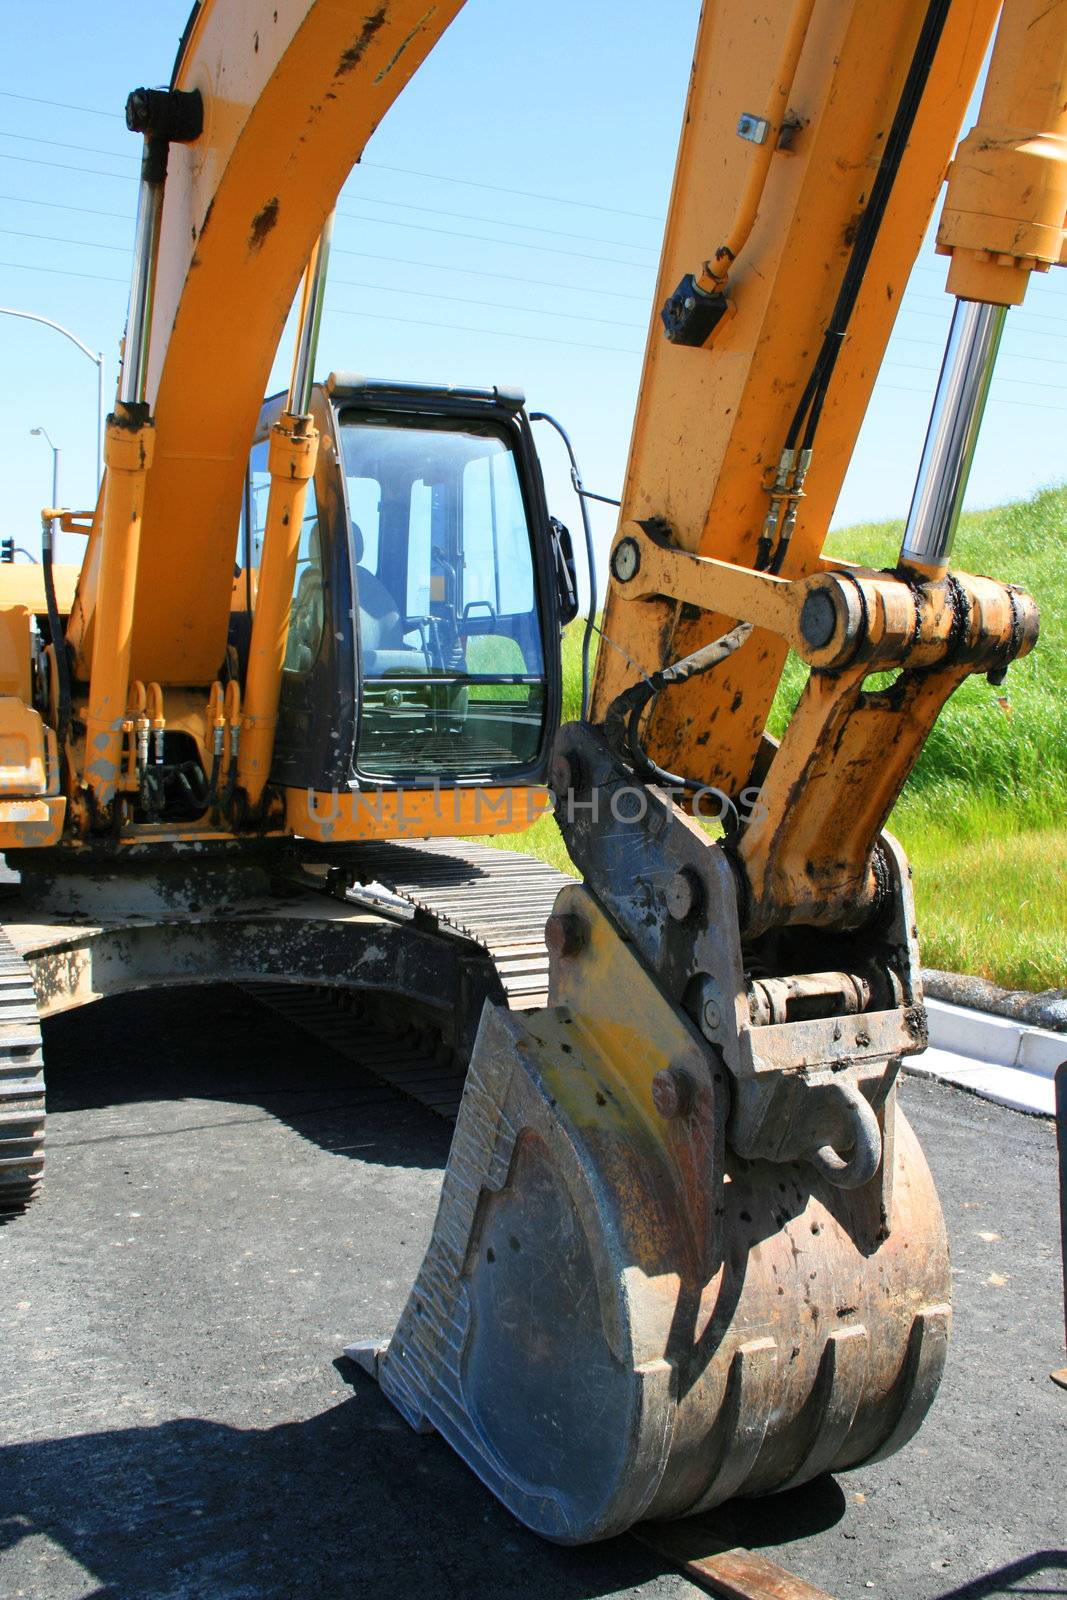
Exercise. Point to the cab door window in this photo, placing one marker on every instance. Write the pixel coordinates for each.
(452, 664)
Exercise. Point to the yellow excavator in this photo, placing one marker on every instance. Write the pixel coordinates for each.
(687, 1246)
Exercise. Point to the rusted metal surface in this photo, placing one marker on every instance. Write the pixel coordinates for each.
(726, 1570)
(796, 1072)
(618, 1318)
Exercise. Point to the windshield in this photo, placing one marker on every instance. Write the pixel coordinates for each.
(452, 664)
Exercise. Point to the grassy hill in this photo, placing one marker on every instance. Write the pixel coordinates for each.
(984, 815)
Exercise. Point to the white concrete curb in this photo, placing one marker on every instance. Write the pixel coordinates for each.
(993, 1056)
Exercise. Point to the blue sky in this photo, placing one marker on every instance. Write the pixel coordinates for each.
(525, 171)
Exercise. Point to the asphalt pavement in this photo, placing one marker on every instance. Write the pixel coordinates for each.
(227, 1204)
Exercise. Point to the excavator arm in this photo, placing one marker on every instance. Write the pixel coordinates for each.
(687, 1246)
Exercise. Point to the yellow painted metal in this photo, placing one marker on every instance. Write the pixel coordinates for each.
(31, 824)
(737, 592)
(717, 270)
(23, 586)
(15, 651)
(806, 853)
(621, 1018)
(879, 621)
(29, 764)
(292, 90)
(32, 811)
(1005, 209)
(291, 456)
(711, 422)
(128, 448)
(332, 818)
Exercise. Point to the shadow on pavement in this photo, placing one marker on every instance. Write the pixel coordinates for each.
(217, 1044)
(346, 1503)
(1017, 1578)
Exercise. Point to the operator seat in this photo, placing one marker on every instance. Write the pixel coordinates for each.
(381, 630)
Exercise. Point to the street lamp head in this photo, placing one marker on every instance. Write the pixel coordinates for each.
(36, 432)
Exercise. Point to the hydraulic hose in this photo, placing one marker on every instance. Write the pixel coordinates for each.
(59, 643)
(583, 495)
(625, 711)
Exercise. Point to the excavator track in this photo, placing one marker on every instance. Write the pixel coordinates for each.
(403, 1060)
(22, 1098)
(496, 899)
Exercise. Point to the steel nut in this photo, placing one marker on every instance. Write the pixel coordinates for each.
(673, 1092)
(565, 933)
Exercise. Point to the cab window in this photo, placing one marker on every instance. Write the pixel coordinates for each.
(452, 665)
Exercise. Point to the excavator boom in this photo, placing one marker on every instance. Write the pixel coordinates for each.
(291, 93)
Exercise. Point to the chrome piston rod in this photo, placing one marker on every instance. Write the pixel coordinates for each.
(952, 434)
(134, 375)
(313, 295)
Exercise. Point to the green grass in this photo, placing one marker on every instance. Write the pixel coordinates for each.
(984, 815)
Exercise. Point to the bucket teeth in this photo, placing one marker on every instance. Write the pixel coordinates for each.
(617, 1321)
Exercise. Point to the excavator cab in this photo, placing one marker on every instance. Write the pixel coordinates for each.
(430, 590)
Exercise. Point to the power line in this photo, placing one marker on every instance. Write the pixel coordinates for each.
(62, 166)
(479, 272)
(54, 238)
(355, 283)
(400, 205)
(499, 222)
(63, 272)
(496, 333)
(379, 166)
(61, 144)
(384, 222)
(946, 301)
(525, 194)
(377, 316)
(1022, 383)
(488, 305)
(994, 400)
(59, 105)
(510, 244)
(1005, 355)
(364, 255)
(55, 205)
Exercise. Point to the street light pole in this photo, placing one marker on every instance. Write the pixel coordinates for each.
(98, 362)
(42, 433)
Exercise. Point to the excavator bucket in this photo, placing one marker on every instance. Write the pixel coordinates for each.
(617, 1318)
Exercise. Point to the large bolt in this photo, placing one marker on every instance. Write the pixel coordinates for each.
(712, 1016)
(684, 894)
(818, 619)
(565, 933)
(626, 560)
(673, 1092)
